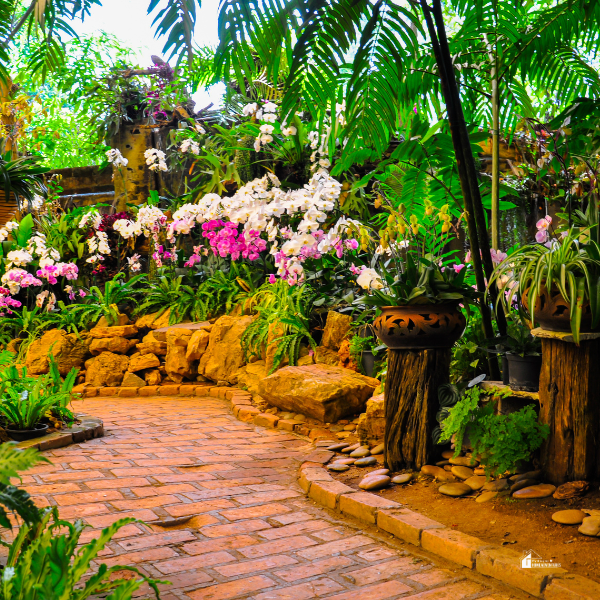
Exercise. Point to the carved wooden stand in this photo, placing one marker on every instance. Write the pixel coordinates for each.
(411, 403)
(570, 406)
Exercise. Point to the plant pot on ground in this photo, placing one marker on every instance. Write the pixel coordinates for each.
(21, 435)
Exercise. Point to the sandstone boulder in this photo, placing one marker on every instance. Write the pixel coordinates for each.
(69, 350)
(162, 320)
(323, 392)
(152, 377)
(121, 320)
(150, 345)
(176, 363)
(125, 331)
(147, 320)
(371, 424)
(325, 356)
(197, 345)
(224, 354)
(13, 346)
(118, 345)
(250, 376)
(132, 380)
(107, 370)
(337, 328)
(139, 362)
(345, 359)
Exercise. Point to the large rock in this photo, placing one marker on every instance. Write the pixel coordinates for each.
(176, 364)
(337, 328)
(118, 345)
(250, 376)
(371, 424)
(323, 392)
(107, 370)
(132, 380)
(153, 377)
(150, 345)
(224, 354)
(197, 345)
(139, 362)
(120, 320)
(162, 320)
(325, 356)
(147, 320)
(125, 331)
(69, 350)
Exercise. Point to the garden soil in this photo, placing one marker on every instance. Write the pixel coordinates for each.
(517, 524)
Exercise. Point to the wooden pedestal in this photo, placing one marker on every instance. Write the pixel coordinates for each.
(411, 403)
(570, 406)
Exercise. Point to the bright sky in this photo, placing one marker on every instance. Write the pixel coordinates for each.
(128, 21)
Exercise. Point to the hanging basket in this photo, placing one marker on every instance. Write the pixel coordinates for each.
(420, 326)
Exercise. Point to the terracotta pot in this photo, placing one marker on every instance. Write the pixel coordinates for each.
(552, 312)
(420, 326)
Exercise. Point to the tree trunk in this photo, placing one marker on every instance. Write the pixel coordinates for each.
(569, 387)
(411, 404)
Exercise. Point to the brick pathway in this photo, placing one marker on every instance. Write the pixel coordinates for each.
(252, 533)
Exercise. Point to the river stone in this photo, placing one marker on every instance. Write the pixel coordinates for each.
(479, 471)
(349, 449)
(590, 526)
(463, 461)
(431, 470)
(377, 450)
(542, 490)
(528, 475)
(367, 461)
(442, 463)
(572, 489)
(374, 483)
(345, 461)
(378, 472)
(360, 452)
(454, 489)
(447, 454)
(462, 472)
(523, 483)
(337, 467)
(445, 476)
(569, 517)
(337, 447)
(403, 478)
(496, 486)
(476, 482)
(486, 497)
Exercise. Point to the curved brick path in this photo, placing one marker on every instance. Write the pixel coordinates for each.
(253, 534)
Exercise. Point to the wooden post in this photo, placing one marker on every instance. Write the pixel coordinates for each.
(411, 404)
(570, 406)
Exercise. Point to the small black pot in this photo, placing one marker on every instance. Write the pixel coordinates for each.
(505, 379)
(20, 435)
(367, 361)
(524, 372)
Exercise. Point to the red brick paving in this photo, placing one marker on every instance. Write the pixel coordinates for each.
(252, 534)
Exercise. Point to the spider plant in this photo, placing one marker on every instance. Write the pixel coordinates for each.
(570, 264)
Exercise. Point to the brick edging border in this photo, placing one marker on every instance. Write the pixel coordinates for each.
(91, 427)
(471, 552)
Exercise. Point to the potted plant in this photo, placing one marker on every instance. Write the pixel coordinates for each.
(416, 286)
(363, 351)
(22, 410)
(523, 354)
(556, 283)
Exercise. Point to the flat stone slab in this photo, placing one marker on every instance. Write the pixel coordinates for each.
(192, 326)
(563, 336)
(323, 392)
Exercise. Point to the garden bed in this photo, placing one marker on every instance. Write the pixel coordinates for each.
(517, 524)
